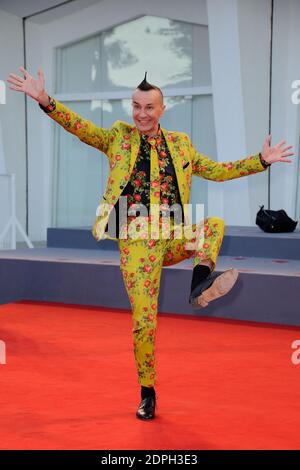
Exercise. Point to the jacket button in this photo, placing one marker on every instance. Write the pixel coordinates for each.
(121, 187)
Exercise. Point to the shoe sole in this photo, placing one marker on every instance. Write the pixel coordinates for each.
(145, 419)
(221, 286)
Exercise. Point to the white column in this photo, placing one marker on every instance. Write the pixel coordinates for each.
(285, 113)
(239, 48)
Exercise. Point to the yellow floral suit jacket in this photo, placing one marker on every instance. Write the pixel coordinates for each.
(121, 143)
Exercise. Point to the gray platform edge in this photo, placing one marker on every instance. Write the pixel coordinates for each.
(256, 297)
(238, 241)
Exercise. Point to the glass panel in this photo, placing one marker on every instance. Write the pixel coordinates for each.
(127, 55)
(116, 60)
(201, 60)
(78, 67)
(78, 170)
(177, 115)
(204, 140)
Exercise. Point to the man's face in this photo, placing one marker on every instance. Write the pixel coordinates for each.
(147, 109)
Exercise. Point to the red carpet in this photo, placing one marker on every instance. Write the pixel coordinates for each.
(70, 382)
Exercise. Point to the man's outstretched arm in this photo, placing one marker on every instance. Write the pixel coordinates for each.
(206, 168)
(72, 122)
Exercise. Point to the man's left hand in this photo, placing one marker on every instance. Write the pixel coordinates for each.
(277, 153)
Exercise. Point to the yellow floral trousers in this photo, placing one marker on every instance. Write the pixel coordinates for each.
(141, 262)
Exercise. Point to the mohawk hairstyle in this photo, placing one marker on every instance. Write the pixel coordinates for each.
(146, 86)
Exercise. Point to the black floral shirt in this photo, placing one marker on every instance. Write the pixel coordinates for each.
(138, 188)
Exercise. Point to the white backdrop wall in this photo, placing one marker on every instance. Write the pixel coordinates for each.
(239, 41)
(285, 180)
(239, 47)
(12, 114)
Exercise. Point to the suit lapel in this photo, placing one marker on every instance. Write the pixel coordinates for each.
(176, 162)
(135, 142)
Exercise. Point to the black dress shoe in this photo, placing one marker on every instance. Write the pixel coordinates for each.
(214, 286)
(146, 409)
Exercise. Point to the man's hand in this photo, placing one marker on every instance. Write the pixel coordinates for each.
(32, 87)
(277, 153)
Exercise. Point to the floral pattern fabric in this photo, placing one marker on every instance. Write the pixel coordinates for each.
(141, 262)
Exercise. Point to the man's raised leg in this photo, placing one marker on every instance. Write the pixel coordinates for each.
(203, 241)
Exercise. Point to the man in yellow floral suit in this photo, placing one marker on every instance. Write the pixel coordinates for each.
(151, 168)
